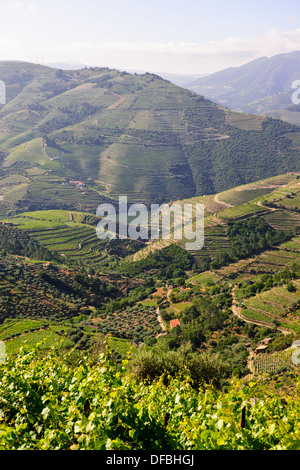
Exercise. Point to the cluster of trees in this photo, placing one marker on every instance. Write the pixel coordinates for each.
(121, 248)
(157, 137)
(150, 363)
(57, 294)
(170, 262)
(135, 295)
(137, 323)
(19, 242)
(247, 237)
(281, 342)
(249, 288)
(206, 315)
(80, 339)
(252, 235)
(67, 117)
(104, 81)
(70, 137)
(3, 154)
(207, 115)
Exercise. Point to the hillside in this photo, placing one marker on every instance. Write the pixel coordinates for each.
(100, 407)
(262, 199)
(126, 333)
(118, 133)
(262, 86)
(249, 230)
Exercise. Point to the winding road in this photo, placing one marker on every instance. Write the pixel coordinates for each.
(237, 311)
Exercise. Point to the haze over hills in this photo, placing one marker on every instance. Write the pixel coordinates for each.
(179, 79)
(261, 86)
(120, 133)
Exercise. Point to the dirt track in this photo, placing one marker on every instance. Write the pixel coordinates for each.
(237, 311)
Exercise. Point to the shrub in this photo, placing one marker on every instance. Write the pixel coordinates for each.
(151, 363)
(290, 287)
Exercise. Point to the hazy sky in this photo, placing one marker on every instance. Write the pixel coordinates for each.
(175, 36)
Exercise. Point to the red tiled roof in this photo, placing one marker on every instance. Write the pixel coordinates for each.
(174, 323)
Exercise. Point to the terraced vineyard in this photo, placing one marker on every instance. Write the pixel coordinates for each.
(267, 262)
(26, 333)
(275, 258)
(73, 234)
(283, 193)
(133, 134)
(278, 304)
(291, 202)
(64, 232)
(283, 220)
(138, 169)
(272, 363)
(70, 241)
(237, 204)
(216, 240)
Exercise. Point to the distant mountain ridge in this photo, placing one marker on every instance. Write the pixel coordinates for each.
(260, 86)
(120, 133)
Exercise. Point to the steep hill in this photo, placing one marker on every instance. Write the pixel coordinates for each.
(119, 133)
(275, 200)
(72, 235)
(260, 86)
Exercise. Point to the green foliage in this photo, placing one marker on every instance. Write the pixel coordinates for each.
(252, 235)
(46, 404)
(290, 287)
(167, 263)
(18, 242)
(149, 364)
(267, 281)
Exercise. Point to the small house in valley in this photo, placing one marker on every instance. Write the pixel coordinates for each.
(174, 323)
(263, 346)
